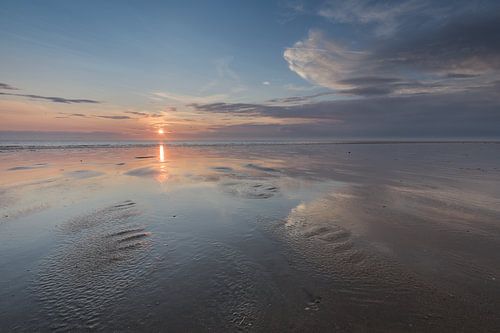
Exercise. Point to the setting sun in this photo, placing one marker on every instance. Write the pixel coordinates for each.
(160, 131)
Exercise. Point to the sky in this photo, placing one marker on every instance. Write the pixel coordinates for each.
(248, 70)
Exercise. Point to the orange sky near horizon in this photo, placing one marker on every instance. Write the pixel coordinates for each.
(127, 123)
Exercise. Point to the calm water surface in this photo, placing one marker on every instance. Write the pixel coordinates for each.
(297, 237)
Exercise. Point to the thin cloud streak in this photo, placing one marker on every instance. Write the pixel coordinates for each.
(114, 117)
(53, 99)
(6, 86)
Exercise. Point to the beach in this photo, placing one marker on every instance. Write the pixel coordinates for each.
(319, 237)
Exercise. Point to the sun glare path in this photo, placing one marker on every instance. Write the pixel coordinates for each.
(162, 154)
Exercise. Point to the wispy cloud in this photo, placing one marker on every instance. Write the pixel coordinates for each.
(189, 99)
(82, 115)
(59, 135)
(114, 117)
(250, 108)
(385, 15)
(225, 107)
(293, 87)
(53, 99)
(144, 114)
(291, 9)
(226, 78)
(292, 100)
(6, 86)
(224, 69)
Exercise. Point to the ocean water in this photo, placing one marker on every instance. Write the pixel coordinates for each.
(266, 236)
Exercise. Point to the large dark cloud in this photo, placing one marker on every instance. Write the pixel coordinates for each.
(469, 42)
(406, 47)
(53, 99)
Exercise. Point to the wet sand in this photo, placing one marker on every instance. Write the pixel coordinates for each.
(264, 238)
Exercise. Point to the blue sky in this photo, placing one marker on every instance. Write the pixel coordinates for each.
(250, 69)
(97, 48)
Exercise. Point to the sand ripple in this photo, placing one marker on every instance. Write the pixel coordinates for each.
(202, 284)
(102, 255)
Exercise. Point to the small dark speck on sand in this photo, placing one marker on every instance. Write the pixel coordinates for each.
(120, 163)
(142, 157)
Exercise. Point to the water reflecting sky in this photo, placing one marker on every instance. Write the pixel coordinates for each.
(252, 237)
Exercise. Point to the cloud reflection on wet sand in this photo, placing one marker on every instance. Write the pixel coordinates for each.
(358, 237)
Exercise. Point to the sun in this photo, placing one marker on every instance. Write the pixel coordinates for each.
(160, 131)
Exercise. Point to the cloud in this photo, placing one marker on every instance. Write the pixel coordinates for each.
(144, 114)
(293, 87)
(369, 90)
(266, 83)
(321, 61)
(430, 58)
(225, 107)
(291, 10)
(250, 108)
(187, 99)
(369, 80)
(113, 117)
(6, 86)
(387, 18)
(468, 43)
(224, 70)
(226, 78)
(53, 99)
(332, 65)
(460, 75)
(448, 115)
(60, 135)
(81, 115)
(299, 99)
(384, 15)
